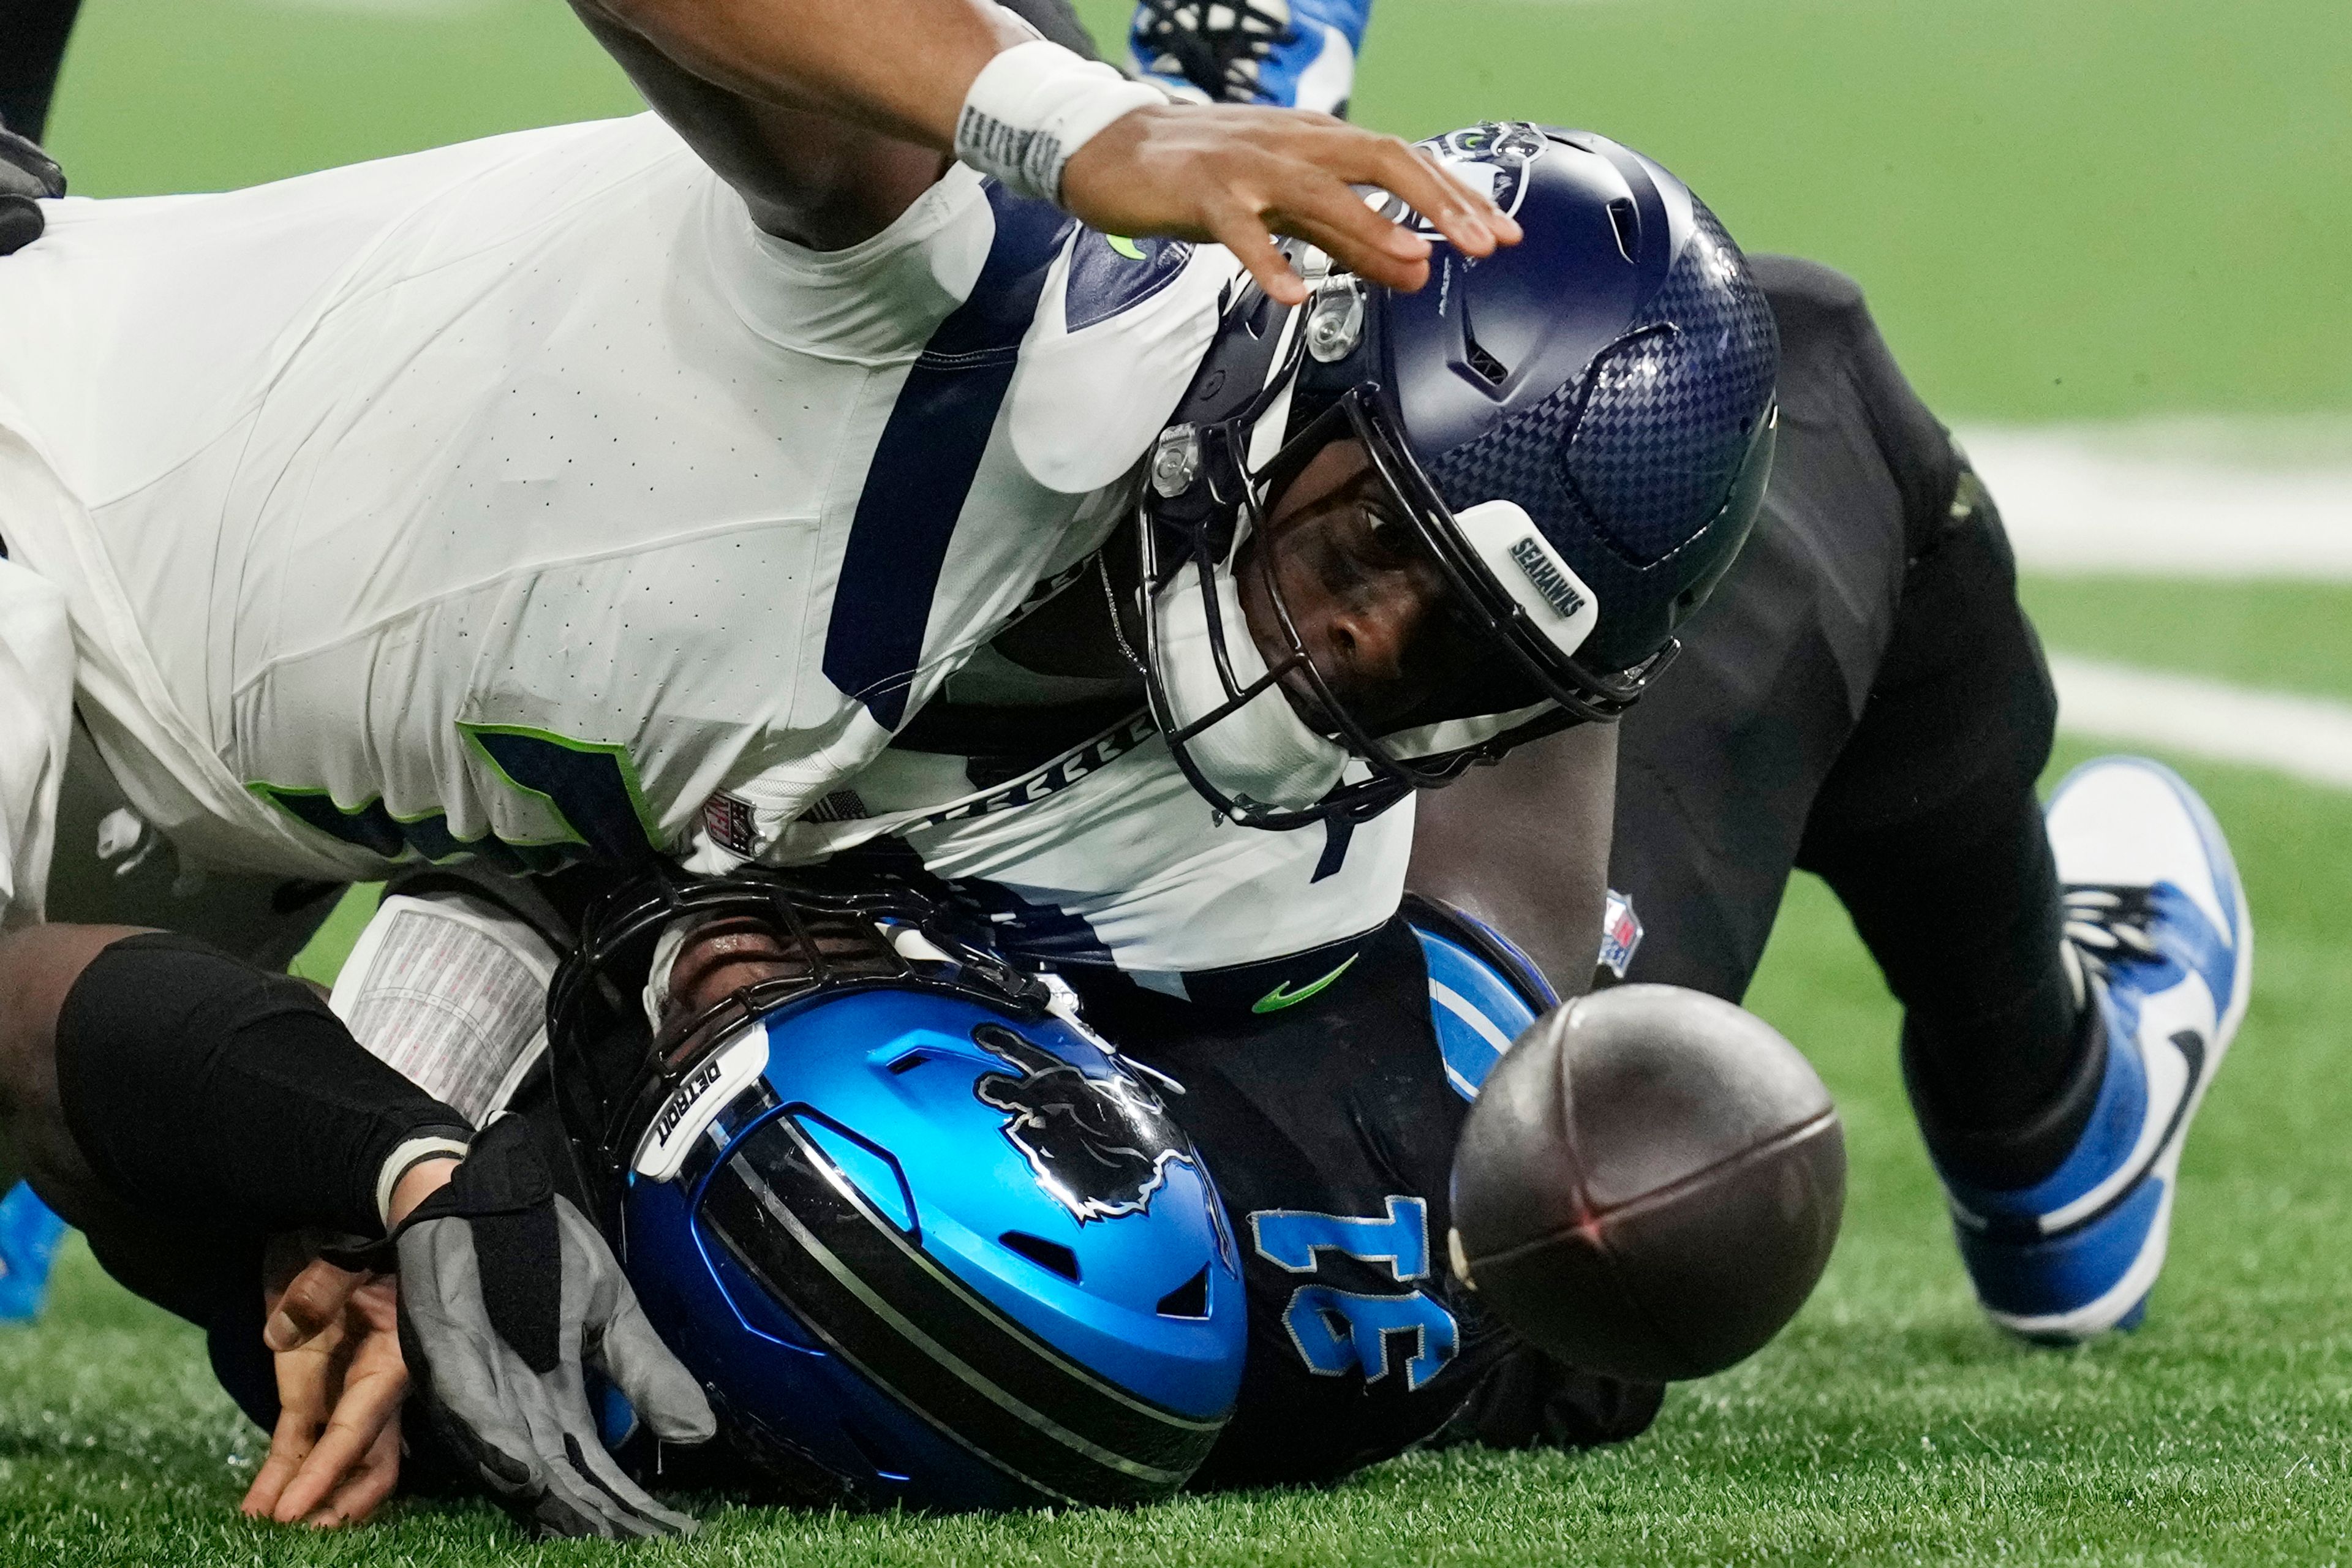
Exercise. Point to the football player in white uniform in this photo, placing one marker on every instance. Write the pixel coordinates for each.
(541, 500)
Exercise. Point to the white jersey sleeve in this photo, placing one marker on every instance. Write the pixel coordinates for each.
(507, 500)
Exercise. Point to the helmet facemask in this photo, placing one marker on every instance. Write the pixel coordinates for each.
(1485, 667)
(1568, 440)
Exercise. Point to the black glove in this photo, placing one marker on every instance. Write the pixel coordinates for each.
(26, 173)
(504, 1289)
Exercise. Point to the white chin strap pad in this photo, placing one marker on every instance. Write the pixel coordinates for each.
(1263, 750)
(1558, 603)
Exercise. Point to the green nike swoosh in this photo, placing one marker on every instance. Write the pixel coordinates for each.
(1127, 248)
(1282, 996)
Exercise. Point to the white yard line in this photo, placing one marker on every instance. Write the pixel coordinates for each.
(2207, 498)
(2307, 738)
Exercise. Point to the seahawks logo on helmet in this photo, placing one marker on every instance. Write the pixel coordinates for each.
(1495, 155)
(1100, 1146)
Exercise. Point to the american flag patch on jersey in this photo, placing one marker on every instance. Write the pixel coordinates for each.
(1621, 934)
(728, 821)
(841, 806)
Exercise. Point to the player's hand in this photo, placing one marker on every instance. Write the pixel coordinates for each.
(1236, 175)
(334, 1457)
(26, 173)
(505, 1290)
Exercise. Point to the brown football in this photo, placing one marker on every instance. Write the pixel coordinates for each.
(1649, 1185)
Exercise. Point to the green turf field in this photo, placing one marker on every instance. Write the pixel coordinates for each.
(2063, 209)
(1889, 1423)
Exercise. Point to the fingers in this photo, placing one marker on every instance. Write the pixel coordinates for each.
(1244, 232)
(314, 1298)
(20, 222)
(290, 1444)
(1467, 217)
(307, 1378)
(1234, 173)
(25, 170)
(370, 1404)
(1320, 206)
(579, 1490)
(1334, 217)
(365, 1488)
(662, 1393)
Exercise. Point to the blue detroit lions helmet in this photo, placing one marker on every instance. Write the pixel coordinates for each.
(1576, 431)
(921, 1237)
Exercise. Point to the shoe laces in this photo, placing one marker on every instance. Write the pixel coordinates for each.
(2110, 923)
(1215, 44)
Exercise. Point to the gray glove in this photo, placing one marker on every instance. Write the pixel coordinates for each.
(505, 1288)
(26, 173)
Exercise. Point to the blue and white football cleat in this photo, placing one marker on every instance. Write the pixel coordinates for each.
(29, 1233)
(2158, 917)
(1291, 53)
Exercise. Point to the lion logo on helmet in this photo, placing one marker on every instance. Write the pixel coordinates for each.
(1099, 1146)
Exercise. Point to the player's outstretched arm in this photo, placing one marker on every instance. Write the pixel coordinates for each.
(907, 75)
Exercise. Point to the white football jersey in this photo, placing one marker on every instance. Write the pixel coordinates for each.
(520, 500)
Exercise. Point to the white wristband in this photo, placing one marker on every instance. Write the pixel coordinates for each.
(404, 1159)
(1032, 106)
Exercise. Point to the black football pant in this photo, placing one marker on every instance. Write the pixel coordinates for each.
(1865, 698)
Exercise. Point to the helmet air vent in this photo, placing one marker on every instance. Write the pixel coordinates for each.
(1476, 355)
(1050, 1256)
(1627, 221)
(1190, 1300)
(910, 1061)
(1485, 364)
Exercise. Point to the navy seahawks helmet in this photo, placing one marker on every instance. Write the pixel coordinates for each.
(1575, 433)
(922, 1237)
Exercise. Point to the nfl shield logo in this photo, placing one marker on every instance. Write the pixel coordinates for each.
(1621, 934)
(728, 820)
